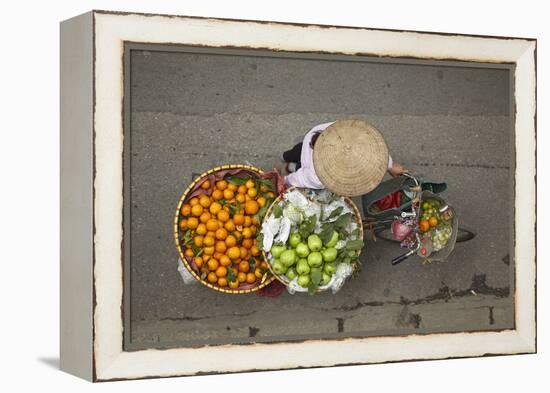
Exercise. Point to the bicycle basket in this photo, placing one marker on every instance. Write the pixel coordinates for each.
(444, 253)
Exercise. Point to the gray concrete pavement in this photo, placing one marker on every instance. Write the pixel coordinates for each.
(193, 112)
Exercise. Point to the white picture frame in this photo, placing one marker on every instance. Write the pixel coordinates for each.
(92, 132)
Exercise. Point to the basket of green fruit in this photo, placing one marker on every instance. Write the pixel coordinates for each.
(312, 240)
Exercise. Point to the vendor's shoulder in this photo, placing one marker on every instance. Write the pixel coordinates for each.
(321, 127)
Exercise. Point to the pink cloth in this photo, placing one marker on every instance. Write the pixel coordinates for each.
(306, 177)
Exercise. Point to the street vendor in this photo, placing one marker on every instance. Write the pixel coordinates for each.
(348, 157)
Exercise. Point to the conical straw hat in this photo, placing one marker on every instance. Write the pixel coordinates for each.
(350, 157)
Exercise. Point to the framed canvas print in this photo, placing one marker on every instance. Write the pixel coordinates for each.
(246, 195)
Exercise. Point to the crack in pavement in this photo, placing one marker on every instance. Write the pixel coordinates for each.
(191, 318)
(479, 286)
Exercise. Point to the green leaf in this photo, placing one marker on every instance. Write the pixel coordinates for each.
(252, 263)
(196, 250)
(356, 232)
(336, 212)
(277, 211)
(354, 245)
(267, 183)
(231, 275)
(186, 237)
(312, 288)
(260, 241)
(326, 232)
(238, 181)
(261, 213)
(342, 221)
(307, 226)
(316, 276)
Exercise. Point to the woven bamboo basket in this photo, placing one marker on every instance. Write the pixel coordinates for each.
(265, 280)
(358, 220)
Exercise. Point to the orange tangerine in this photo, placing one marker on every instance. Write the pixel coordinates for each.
(212, 264)
(238, 219)
(206, 258)
(189, 252)
(258, 273)
(221, 234)
(247, 198)
(225, 260)
(198, 240)
(242, 189)
(221, 246)
(211, 234)
(194, 201)
(250, 278)
(209, 250)
(251, 207)
(255, 221)
(221, 185)
(201, 229)
(217, 194)
(228, 194)
(240, 198)
(215, 208)
(193, 222)
(233, 284)
(263, 188)
(271, 194)
(197, 210)
(230, 241)
(232, 187)
(244, 252)
(424, 225)
(241, 277)
(217, 255)
(204, 200)
(221, 271)
(204, 217)
(183, 224)
(255, 251)
(244, 266)
(261, 201)
(223, 216)
(433, 221)
(212, 225)
(212, 278)
(254, 229)
(247, 243)
(185, 209)
(222, 282)
(229, 225)
(250, 184)
(247, 221)
(234, 253)
(252, 193)
(247, 233)
(205, 185)
(198, 262)
(209, 241)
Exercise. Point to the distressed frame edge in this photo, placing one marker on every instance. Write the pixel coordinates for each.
(525, 339)
(76, 207)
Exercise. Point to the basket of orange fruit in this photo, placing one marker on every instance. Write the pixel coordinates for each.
(216, 226)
